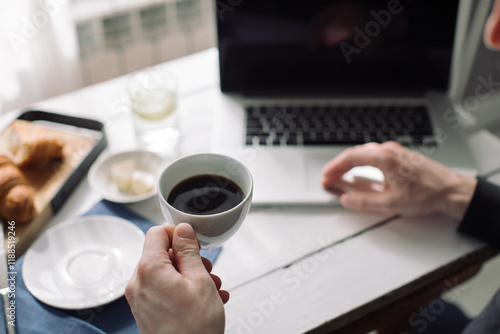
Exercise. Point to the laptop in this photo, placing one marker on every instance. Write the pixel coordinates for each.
(301, 81)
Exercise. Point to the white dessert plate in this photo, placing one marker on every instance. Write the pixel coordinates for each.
(83, 262)
(100, 180)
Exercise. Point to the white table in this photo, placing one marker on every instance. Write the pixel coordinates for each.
(291, 270)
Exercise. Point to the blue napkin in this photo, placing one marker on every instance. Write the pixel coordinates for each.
(33, 316)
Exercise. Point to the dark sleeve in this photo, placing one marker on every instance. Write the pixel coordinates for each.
(488, 321)
(482, 218)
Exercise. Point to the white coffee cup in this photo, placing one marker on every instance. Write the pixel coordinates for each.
(212, 230)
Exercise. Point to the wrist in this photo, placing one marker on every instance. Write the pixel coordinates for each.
(457, 196)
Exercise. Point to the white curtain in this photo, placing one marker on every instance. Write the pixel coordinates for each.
(38, 51)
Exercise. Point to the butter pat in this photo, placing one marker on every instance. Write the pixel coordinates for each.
(141, 182)
(128, 179)
(121, 173)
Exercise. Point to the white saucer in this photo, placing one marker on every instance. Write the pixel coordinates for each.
(99, 176)
(84, 262)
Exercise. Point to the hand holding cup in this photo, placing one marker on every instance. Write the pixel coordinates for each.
(211, 192)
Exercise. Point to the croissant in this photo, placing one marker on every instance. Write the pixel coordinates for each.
(29, 148)
(16, 197)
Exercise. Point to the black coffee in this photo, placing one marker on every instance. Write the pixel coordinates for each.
(205, 195)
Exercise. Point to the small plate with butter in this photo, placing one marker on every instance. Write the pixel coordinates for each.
(127, 177)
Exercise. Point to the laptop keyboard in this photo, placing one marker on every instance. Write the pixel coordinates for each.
(337, 125)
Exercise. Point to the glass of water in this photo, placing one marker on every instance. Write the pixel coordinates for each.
(153, 97)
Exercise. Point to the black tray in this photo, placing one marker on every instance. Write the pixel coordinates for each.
(81, 171)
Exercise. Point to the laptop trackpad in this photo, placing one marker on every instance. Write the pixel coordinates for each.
(314, 174)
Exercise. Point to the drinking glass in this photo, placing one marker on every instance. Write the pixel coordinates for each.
(153, 97)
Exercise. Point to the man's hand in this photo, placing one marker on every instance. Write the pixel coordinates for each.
(492, 28)
(172, 290)
(414, 184)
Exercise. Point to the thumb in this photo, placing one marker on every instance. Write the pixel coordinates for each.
(364, 201)
(187, 251)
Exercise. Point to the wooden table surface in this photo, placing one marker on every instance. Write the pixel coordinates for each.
(292, 270)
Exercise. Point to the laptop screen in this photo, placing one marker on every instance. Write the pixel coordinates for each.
(335, 47)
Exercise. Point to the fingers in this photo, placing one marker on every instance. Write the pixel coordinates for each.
(382, 156)
(187, 251)
(362, 155)
(336, 189)
(376, 202)
(492, 28)
(172, 258)
(157, 242)
(207, 264)
(155, 255)
(224, 295)
(170, 232)
(217, 281)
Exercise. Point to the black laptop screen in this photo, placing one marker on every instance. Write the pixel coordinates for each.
(335, 47)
